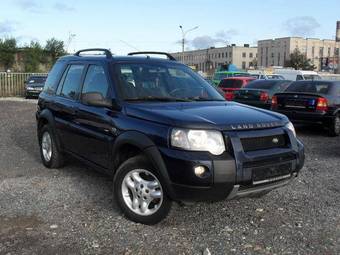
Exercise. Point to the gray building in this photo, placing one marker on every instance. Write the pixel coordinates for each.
(275, 52)
(207, 60)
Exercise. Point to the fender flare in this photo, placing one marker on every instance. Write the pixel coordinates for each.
(150, 150)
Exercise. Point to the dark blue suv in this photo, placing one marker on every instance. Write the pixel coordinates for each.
(162, 132)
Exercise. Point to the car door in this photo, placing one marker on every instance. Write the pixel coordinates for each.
(66, 104)
(95, 126)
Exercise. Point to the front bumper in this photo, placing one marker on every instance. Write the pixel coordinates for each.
(231, 175)
(32, 93)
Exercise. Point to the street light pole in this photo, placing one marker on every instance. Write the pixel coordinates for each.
(184, 33)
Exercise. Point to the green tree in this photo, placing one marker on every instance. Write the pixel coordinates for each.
(55, 49)
(298, 60)
(8, 48)
(33, 57)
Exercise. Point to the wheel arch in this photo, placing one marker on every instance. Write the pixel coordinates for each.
(46, 117)
(136, 143)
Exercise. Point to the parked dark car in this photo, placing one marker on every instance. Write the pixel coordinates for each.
(34, 85)
(231, 84)
(162, 132)
(259, 92)
(313, 102)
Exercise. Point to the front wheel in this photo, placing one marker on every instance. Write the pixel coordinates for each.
(139, 192)
(334, 128)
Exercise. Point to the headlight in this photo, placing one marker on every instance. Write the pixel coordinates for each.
(290, 126)
(198, 140)
(29, 88)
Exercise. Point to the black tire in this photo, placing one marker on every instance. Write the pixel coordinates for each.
(334, 128)
(57, 158)
(139, 162)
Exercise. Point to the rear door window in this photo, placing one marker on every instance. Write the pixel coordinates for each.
(71, 82)
(95, 81)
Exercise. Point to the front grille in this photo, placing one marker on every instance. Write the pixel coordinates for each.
(263, 143)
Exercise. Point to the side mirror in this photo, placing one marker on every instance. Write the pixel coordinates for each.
(96, 99)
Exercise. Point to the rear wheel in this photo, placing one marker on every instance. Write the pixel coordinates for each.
(50, 155)
(334, 128)
(139, 192)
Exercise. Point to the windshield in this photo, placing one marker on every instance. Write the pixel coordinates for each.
(275, 77)
(309, 87)
(311, 77)
(33, 80)
(265, 84)
(163, 82)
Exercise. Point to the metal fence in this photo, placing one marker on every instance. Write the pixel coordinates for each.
(13, 84)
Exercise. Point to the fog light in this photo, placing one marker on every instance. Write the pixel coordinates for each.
(200, 170)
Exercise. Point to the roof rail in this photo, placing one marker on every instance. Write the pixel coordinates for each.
(106, 51)
(170, 57)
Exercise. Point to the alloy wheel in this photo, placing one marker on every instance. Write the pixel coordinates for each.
(142, 192)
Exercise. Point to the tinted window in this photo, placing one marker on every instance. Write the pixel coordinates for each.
(53, 77)
(231, 84)
(71, 84)
(95, 81)
(309, 87)
(268, 85)
(261, 85)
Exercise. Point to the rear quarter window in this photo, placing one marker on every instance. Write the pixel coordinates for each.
(53, 77)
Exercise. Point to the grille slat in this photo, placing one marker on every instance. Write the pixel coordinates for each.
(263, 143)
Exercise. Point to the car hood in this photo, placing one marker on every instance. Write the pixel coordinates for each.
(210, 115)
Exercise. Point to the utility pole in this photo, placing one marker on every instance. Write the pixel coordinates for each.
(184, 33)
(69, 40)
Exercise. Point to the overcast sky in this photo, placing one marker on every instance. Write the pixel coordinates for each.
(128, 25)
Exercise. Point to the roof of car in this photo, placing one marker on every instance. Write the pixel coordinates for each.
(271, 81)
(240, 78)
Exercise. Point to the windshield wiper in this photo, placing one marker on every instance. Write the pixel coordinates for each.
(160, 99)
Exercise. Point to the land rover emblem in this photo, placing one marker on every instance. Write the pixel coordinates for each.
(275, 140)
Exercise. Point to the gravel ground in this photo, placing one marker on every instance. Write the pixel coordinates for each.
(71, 210)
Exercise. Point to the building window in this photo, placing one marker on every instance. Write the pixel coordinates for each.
(222, 54)
(251, 55)
(244, 55)
(243, 65)
(329, 51)
(321, 52)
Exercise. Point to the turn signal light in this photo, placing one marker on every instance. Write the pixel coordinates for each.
(322, 104)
